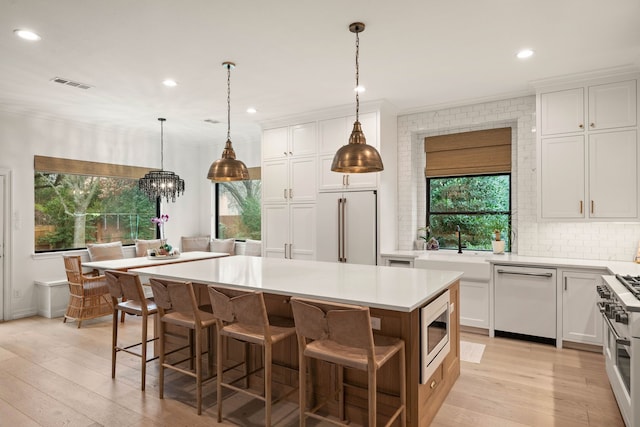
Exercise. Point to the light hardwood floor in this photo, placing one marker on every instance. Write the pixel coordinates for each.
(53, 374)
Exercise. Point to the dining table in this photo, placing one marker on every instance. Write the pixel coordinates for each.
(126, 264)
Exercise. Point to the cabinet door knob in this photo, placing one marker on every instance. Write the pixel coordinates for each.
(285, 193)
(581, 126)
(592, 125)
(433, 384)
(592, 206)
(291, 193)
(580, 206)
(284, 152)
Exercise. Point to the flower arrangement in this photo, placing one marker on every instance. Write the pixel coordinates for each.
(160, 221)
(166, 248)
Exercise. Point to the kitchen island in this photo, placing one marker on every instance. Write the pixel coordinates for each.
(394, 295)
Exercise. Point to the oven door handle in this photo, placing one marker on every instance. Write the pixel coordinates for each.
(620, 340)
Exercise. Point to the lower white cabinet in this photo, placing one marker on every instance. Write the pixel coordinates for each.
(581, 319)
(287, 230)
(474, 304)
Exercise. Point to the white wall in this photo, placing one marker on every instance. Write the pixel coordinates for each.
(587, 240)
(23, 137)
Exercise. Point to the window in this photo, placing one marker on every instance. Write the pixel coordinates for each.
(238, 205)
(73, 207)
(469, 185)
(479, 204)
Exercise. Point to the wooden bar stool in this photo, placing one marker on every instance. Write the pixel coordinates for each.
(177, 305)
(243, 316)
(128, 296)
(341, 334)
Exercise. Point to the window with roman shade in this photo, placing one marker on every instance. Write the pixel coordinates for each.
(81, 202)
(468, 153)
(468, 183)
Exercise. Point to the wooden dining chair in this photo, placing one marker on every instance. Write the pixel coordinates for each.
(88, 293)
(127, 296)
(341, 334)
(177, 305)
(242, 316)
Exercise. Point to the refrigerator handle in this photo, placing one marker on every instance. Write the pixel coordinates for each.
(339, 228)
(343, 236)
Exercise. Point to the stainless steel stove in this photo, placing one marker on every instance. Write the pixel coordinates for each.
(620, 307)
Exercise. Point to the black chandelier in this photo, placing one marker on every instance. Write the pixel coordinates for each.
(162, 183)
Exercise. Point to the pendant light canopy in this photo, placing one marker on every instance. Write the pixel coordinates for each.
(228, 168)
(357, 156)
(159, 184)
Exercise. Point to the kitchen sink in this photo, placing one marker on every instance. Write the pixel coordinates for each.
(473, 264)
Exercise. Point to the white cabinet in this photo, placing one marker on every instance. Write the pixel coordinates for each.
(610, 105)
(474, 304)
(287, 232)
(289, 141)
(613, 175)
(289, 190)
(613, 105)
(562, 111)
(562, 177)
(588, 152)
(289, 180)
(581, 319)
(333, 134)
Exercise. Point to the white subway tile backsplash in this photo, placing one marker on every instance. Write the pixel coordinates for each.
(592, 240)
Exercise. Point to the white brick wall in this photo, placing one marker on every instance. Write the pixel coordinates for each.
(588, 240)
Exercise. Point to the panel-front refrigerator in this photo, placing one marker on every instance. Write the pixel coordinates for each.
(347, 227)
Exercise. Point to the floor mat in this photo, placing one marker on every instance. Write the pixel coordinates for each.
(471, 352)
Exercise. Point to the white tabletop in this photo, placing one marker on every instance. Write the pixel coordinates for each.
(391, 288)
(129, 263)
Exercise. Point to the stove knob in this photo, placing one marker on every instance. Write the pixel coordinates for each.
(622, 317)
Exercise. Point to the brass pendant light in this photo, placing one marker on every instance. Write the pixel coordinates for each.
(357, 156)
(228, 168)
(162, 183)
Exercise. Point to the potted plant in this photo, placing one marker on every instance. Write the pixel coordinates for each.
(497, 243)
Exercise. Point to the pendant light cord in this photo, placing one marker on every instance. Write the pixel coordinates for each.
(228, 102)
(161, 144)
(357, 77)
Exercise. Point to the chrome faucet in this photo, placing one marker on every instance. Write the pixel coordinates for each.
(459, 239)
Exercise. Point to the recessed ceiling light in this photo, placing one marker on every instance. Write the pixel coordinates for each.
(251, 110)
(27, 35)
(169, 83)
(360, 89)
(525, 53)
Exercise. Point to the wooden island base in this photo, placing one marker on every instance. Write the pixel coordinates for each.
(423, 400)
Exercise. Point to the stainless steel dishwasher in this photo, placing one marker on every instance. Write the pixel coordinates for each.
(525, 300)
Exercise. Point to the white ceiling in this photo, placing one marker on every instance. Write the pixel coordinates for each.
(293, 56)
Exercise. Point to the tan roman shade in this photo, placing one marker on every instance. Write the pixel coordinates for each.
(254, 173)
(468, 153)
(81, 167)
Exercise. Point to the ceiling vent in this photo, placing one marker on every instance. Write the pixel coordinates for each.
(70, 83)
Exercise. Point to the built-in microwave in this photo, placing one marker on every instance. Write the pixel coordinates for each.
(435, 321)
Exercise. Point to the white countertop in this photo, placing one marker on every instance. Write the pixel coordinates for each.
(129, 263)
(390, 288)
(614, 267)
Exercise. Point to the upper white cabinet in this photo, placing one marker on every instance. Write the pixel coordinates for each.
(289, 165)
(611, 105)
(289, 141)
(333, 134)
(588, 152)
(562, 111)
